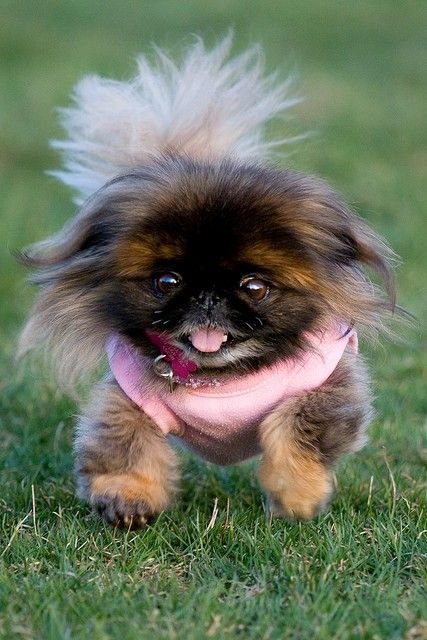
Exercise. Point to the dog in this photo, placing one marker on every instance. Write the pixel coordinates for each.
(226, 294)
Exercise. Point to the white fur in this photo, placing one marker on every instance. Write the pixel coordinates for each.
(207, 107)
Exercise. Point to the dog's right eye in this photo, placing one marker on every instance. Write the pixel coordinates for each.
(254, 288)
(168, 282)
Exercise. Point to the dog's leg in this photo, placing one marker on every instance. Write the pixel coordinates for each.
(125, 467)
(302, 440)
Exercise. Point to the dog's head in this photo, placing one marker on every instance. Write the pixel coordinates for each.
(234, 263)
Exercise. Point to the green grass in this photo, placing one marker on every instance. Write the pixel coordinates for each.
(360, 570)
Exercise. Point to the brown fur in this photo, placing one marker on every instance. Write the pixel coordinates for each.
(220, 220)
(261, 258)
(125, 468)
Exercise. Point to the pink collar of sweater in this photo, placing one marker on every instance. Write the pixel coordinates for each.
(220, 419)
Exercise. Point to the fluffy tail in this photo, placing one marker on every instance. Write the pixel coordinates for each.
(207, 107)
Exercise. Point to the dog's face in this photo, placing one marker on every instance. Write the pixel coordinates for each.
(236, 264)
(213, 265)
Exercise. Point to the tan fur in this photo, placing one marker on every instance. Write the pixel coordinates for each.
(136, 257)
(288, 268)
(135, 491)
(298, 484)
(302, 440)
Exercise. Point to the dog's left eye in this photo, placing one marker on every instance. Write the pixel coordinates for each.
(168, 282)
(254, 287)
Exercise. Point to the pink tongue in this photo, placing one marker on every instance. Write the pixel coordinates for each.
(207, 340)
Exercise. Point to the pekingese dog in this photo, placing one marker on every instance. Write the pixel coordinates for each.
(225, 294)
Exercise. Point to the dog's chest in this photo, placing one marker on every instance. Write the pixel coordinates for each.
(220, 423)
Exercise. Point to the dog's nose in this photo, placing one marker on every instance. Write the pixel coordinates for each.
(208, 300)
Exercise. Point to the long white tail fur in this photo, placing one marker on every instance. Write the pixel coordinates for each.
(207, 107)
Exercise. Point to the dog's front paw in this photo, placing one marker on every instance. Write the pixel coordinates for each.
(129, 501)
(295, 493)
(123, 514)
(299, 505)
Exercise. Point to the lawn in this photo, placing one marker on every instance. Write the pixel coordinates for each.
(217, 566)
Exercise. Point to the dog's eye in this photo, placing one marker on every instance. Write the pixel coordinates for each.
(168, 282)
(254, 287)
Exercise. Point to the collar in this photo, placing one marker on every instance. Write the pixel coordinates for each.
(181, 366)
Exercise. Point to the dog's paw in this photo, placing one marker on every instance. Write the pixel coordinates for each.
(128, 501)
(297, 491)
(125, 515)
(297, 505)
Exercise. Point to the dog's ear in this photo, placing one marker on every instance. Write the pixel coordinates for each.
(348, 259)
(82, 246)
(73, 268)
(89, 229)
(372, 252)
(343, 238)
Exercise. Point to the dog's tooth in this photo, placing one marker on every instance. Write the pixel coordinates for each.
(225, 337)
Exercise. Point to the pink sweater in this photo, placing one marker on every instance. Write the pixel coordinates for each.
(220, 421)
